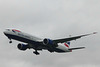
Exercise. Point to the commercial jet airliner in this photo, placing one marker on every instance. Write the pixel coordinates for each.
(57, 45)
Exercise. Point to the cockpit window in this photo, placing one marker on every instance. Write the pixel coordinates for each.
(13, 31)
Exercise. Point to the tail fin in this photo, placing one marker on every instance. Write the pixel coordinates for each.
(67, 44)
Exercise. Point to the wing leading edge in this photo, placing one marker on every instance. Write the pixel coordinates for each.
(71, 38)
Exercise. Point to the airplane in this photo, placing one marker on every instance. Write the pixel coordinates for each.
(33, 42)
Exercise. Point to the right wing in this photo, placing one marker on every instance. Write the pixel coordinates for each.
(71, 38)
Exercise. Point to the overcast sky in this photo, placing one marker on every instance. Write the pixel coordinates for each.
(51, 19)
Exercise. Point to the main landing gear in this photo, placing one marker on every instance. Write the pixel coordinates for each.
(35, 52)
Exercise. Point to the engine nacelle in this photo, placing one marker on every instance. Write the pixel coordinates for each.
(22, 46)
(48, 42)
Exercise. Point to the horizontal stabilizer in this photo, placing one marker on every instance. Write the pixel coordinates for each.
(76, 48)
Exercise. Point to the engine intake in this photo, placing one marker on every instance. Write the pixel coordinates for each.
(47, 42)
(22, 47)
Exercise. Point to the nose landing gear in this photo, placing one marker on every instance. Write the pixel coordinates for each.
(10, 41)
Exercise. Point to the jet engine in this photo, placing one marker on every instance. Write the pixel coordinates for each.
(47, 42)
(22, 46)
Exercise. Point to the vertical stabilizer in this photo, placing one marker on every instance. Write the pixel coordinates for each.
(67, 44)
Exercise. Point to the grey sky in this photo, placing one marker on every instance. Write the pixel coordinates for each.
(51, 19)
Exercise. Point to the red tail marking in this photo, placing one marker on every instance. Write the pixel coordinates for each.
(66, 45)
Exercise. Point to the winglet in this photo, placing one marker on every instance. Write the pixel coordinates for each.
(94, 32)
(89, 34)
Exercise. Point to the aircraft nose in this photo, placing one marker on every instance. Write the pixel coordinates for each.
(5, 32)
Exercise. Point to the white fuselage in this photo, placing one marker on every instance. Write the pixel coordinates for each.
(24, 37)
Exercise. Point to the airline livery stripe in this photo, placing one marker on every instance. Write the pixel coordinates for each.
(66, 45)
(16, 30)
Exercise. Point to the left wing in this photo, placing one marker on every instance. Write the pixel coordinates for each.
(71, 38)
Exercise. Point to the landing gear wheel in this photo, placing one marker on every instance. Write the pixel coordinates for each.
(10, 41)
(35, 52)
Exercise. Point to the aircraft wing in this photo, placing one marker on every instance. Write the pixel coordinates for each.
(71, 38)
(76, 48)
